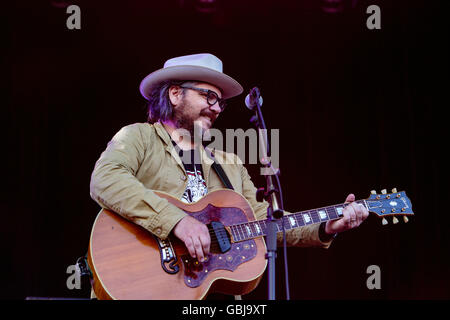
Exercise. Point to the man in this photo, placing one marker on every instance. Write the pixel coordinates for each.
(189, 92)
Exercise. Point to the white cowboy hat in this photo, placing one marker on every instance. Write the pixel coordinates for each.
(203, 67)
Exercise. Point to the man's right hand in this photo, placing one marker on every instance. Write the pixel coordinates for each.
(195, 236)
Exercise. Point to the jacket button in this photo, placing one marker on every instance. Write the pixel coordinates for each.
(158, 231)
(183, 177)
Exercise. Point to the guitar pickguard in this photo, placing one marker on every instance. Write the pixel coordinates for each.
(195, 272)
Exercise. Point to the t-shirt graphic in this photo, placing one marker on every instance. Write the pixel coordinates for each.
(196, 185)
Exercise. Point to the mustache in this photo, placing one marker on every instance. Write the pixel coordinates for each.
(208, 113)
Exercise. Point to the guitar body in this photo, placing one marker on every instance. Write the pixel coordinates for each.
(126, 259)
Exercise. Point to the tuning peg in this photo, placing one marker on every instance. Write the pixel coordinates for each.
(373, 192)
(394, 190)
(384, 191)
(384, 221)
(394, 220)
(405, 218)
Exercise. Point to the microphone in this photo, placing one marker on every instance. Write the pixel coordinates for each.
(252, 98)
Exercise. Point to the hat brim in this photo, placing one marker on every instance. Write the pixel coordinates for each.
(229, 87)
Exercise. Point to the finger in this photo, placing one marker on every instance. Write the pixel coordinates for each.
(190, 246)
(350, 198)
(362, 210)
(364, 213)
(358, 213)
(350, 212)
(206, 242)
(198, 249)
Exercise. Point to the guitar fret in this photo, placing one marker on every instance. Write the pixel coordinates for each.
(253, 229)
(337, 212)
(287, 222)
(299, 219)
(307, 218)
(284, 223)
(247, 233)
(233, 232)
(236, 233)
(264, 227)
(250, 232)
(323, 215)
(240, 232)
(241, 227)
(293, 223)
(296, 220)
(258, 228)
(244, 232)
(333, 212)
(315, 216)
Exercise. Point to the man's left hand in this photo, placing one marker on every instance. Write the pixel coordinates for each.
(353, 215)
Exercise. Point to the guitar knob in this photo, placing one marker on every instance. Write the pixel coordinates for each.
(373, 192)
(394, 220)
(384, 221)
(384, 191)
(394, 190)
(405, 218)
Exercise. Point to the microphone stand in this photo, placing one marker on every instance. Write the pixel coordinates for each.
(269, 193)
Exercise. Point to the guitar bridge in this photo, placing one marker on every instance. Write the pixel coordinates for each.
(168, 256)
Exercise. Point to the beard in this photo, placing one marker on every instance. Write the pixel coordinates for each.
(185, 119)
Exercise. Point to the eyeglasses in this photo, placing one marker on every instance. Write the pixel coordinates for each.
(211, 97)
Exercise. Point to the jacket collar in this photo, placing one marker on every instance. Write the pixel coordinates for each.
(205, 154)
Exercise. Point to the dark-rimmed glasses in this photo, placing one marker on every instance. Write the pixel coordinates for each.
(211, 97)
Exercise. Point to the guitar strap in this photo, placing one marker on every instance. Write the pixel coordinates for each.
(222, 175)
(219, 170)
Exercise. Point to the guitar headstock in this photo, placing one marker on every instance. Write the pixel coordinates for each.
(390, 204)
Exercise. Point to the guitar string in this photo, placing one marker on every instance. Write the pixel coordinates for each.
(247, 236)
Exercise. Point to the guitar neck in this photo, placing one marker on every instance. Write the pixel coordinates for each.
(255, 229)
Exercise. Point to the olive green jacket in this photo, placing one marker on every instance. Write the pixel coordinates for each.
(141, 159)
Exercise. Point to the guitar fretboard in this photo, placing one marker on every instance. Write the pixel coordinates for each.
(255, 229)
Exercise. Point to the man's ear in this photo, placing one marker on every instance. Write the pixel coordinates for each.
(175, 95)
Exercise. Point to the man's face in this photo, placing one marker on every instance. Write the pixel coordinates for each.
(194, 110)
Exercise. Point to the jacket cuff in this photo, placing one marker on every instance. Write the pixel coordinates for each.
(165, 221)
(323, 236)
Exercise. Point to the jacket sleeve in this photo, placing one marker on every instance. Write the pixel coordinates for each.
(307, 236)
(114, 185)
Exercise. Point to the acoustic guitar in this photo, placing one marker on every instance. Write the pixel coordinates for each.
(128, 262)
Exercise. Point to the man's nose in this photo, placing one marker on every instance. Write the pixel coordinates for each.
(215, 108)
